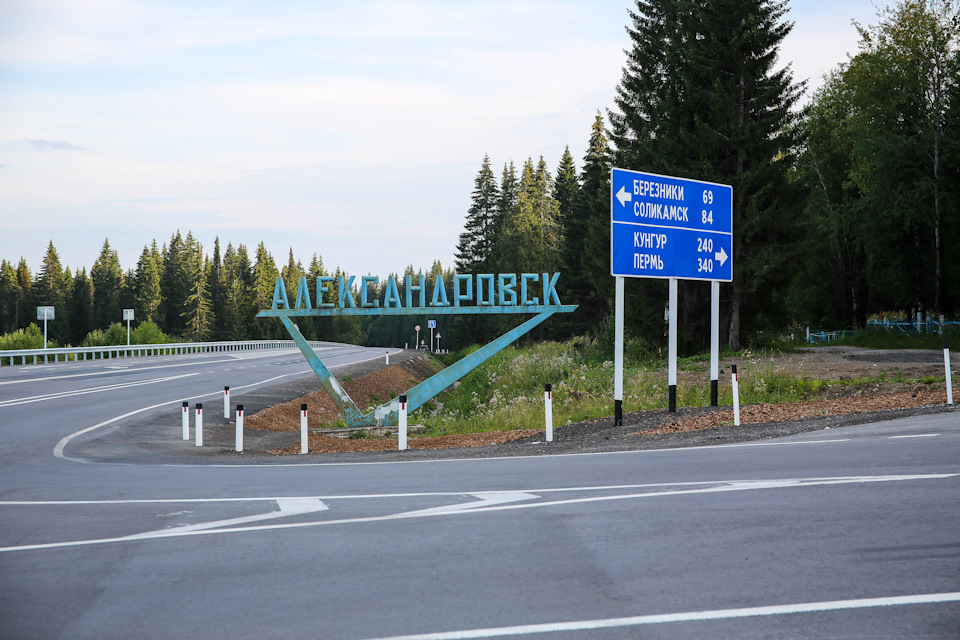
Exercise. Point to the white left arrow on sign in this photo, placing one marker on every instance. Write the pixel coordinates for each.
(624, 196)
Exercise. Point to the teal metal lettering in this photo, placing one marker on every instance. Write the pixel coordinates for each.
(346, 293)
(280, 295)
(303, 294)
(363, 291)
(466, 297)
(524, 277)
(507, 283)
(322, 289)
(391, 298)
(421, 289)
(439, 293)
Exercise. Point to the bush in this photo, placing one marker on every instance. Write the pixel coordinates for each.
(147, 332)
(29, 338)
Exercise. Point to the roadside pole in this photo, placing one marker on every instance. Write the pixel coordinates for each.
(548, 410)
(714, 342)
(402, 424)
(618, 356)
(946, 366)
(672, 355)
(199, 425)
(186, 420)
(238, 446)
(304, 436)
(226, 403)
(735, 381)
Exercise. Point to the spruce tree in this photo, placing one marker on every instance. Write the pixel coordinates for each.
(107, 279)
(701, 98)
(475, 248)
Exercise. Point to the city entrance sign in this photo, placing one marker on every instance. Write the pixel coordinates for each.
(505, 293)
(666, 227)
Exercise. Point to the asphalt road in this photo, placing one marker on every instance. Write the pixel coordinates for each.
(843, 533)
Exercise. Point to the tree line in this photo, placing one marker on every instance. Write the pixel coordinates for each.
(844, 209)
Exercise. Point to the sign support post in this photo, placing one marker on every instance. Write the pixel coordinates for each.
(714, 342)
(672, 347)
(618, 356)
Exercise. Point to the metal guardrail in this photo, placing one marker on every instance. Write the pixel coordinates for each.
(36, 356)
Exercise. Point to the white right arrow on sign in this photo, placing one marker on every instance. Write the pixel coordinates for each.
(721, 256)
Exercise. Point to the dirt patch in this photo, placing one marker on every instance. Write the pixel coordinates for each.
(847, 363)
(792, 411)
(367, 391)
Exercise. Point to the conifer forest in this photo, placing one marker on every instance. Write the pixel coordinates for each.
(846, 201)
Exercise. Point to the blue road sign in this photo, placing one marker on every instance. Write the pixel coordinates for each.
(665, 227)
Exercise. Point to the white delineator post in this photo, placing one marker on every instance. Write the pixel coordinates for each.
(736, 395)
(303, 429)
(548, 410)
(618, 355)
(239, 437)
(387, 360)
(946, 367)
(199, 425)
(402, 424)
(186, 420)
(226, 403)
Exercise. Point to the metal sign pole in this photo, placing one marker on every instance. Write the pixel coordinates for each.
(618, 356)
(672, 375)
(714, 341)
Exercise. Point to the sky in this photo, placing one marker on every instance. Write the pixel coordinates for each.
(353, 130)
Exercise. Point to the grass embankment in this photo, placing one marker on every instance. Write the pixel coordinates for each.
(895, 338)
(507, 391)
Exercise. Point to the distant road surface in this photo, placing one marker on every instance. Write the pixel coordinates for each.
(844, 533)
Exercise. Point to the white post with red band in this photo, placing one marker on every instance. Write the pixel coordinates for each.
(226, 403)
(186, 420)
(199, 426)
(387, 362)
(946, 366)
(239, 437)
(548, 409)
(736, 395)
(303, 429)
(402, 424)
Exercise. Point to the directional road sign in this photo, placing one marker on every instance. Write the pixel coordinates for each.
(666, 227)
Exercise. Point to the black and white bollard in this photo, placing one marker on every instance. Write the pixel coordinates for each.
(303, 429)
(186, 420)
(239, 437)
(736, 395)
(226, 403)
(198, 427)
(548, 409)
(387, 358)
(402, 425)
(946, 366)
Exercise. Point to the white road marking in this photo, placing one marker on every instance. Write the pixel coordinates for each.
(920, 435)
(288, 507)
(486, 500)
(691, 616)
(82, 392)
(112, 371)
(58, 450)
(724, 487)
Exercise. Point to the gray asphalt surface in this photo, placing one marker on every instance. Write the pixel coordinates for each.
(151, 540)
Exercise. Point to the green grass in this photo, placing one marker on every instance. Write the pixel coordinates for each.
(877, 338)
(506, 392)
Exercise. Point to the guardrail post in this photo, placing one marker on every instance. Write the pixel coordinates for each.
(199, 425)
(239, 436)
(736, 395)
(186, 420)
(548, 410)
(304, 436)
